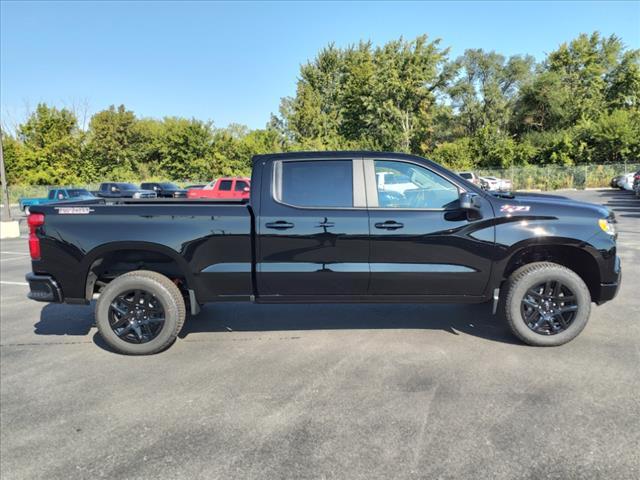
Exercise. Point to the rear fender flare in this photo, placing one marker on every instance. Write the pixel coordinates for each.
(91, 257)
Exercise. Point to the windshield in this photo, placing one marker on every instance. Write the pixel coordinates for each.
(466, 175)
(126, 186)
(169, 186)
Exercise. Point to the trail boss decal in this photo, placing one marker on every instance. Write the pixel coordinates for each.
(74, 210)
(515, 208)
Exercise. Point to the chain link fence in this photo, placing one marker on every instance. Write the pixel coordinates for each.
(553, 177)
(549, 177)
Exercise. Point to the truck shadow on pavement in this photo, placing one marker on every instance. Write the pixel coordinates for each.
(475, 320)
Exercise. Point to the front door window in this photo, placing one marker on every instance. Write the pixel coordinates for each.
(406, 185)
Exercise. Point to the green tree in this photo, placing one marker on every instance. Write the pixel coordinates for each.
(583, 66)
(486, 89)
(314, 113)
(185, 149)
(457, 155)
(623, 82)
(394, 108)
(612, 138)
(383, 98)
(542, 105)
(51, 147)
(112, 141)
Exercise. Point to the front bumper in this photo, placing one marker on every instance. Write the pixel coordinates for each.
(608, 291)
(43, 288)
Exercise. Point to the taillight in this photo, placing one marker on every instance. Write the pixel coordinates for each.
(34, 221)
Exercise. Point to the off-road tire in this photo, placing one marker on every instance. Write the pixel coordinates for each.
(159, 286)
(530, 275)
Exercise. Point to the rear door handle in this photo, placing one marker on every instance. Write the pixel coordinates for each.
(389, 225)
(279, 225)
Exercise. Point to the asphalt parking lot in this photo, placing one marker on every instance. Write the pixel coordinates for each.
(323, 391)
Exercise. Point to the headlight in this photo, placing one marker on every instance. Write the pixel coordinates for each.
(607, 226)
(136, 195)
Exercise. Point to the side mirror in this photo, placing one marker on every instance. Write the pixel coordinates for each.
(246, 189)
(469, 201)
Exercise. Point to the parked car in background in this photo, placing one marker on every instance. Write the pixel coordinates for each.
(57, 195)
(227, 187)
(627, 181)
(123, 190)
(393, 182)
(615, 181)
(471, 177)
(164, 189)
(495, 184)
(636, 183)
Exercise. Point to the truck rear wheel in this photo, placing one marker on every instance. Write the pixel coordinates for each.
(546, 304)
(140, 313)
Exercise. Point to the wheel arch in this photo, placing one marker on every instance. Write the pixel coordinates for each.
(131, 256)
(574, 257)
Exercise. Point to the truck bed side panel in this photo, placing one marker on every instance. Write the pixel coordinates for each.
(211, 244)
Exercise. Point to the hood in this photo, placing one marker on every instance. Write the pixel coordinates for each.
(548, 205)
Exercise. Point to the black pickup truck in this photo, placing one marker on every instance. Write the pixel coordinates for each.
(328, 227)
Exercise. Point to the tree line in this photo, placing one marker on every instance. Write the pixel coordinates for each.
(580, 105)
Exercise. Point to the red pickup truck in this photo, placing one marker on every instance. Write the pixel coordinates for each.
(226, 187)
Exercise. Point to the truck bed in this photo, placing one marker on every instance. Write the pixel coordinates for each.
(209, 239)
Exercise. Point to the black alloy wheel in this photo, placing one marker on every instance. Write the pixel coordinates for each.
(549, 308)
(136, 316)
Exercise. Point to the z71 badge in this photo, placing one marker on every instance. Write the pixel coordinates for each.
(515, 208)
(74, 210)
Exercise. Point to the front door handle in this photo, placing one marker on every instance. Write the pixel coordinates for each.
(279, 225)
(389, 225)
(325, 225)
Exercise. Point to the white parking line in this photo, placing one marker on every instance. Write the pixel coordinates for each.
(2, 282)
(14, 253)
(13, 258)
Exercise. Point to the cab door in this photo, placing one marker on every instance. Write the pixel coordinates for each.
(313, 230)
(240, 188)
(422, 243)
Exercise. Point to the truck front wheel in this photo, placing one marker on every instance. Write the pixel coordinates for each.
(140, 313)
(546, 304)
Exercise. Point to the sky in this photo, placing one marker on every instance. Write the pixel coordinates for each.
(233, 62)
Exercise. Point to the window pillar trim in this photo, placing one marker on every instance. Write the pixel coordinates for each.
(370, 182)
(359, 184)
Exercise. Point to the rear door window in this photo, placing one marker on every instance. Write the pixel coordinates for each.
(323, 183)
